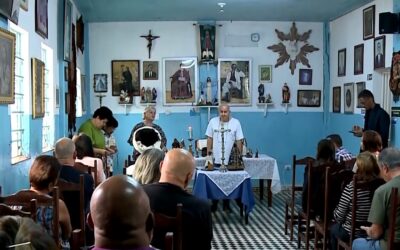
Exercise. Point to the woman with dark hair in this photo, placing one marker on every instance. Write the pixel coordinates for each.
(43, 175)
(367, 172)
(85, 155)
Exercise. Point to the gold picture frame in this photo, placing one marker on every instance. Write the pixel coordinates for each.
(7, 66)
(37, 88)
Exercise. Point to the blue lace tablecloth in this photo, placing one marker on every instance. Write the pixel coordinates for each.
(264, 167)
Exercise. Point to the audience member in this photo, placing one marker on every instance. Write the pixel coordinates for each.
(85, 155)
(368, 172)
(120, 215)
(147, 166)
(65, 154)
(370, 142)
(43, 176)
(176, 173)
(25, 233)
(93, 128)
(111, 142)
(341, 153)
(377, 233)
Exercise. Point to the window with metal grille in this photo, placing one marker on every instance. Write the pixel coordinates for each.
(48, 119)
(19, 118)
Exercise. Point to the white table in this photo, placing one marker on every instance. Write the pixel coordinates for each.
(262, 168)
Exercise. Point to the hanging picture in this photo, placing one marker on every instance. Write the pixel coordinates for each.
(7, 70)
(309, 98)
(305, 76)
(208, 85)
(369, 22)
(207, 42)
(150, 70)
(342, 62)
(125, 77)
(336, 100)
(41, 18)
(37, 88)
(83, 92)
(100, 83)
(348, 92)
(360, 87)
(359, 59)
(10, 9)
(265, 73)
(234, 81)
(67, 30)
(180, 81)
(15, 11)
(394, 81)
(379, 52)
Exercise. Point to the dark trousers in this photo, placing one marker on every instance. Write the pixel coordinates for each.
(337, 231)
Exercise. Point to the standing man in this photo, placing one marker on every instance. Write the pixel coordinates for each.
(233, 80)
(379, 214)
(232, 131)
(376, 118)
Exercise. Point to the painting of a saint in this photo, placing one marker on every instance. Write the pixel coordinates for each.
(207, 41)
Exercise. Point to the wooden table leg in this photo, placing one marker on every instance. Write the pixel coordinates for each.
(269, 184)
(261, 186)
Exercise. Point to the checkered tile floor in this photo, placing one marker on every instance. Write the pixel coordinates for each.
(264, 231)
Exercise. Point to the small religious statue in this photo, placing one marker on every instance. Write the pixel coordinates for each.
(176, 144)
(261, 97)
(209, 90)
(154, 95)
(142, 91)
(124, 97)
(268, 99)
(201, 99)
(148, 95)
(285, 93)
(150, 39)
(208, 165)
(256, 156)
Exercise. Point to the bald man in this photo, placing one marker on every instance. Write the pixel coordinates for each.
(176, 173)
(120, 215)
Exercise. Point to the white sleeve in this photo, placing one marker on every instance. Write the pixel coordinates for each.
(209, 131)
(239, 132)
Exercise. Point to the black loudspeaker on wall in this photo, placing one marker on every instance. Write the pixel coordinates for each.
(388, 23)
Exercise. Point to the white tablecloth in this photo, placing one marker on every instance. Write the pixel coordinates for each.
(264, 167)
(226, 181)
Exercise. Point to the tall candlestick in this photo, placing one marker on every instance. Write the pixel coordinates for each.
(190, 129)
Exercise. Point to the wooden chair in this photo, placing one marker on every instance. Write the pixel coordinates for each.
(392, 244)
(92, 171)
(290, 214)
(70, 187)
(76, 239)
(7, 210)
(164, 223)
(24, 199)
(349, 164)
(169, 241)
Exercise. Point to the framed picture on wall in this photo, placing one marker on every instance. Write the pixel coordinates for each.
(125, 77)
(100, 83)
(336, 99)
(379, 52)
(342, 62)
(360, 86)
(359, 59)
(37, 88)
(369, 22)
(308, 98)
(10, 9)
(150, 70)
(7, 70)
(234, 76)
(83, 92)
(180, 83)
(67, 30)
(41, 18)
(348, 92)
(305, 76)
(265, 73)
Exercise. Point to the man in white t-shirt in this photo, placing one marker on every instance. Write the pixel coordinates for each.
(233, 133)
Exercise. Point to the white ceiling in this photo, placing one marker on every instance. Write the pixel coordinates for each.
(208, 10)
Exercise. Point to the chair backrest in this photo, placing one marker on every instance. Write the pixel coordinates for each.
(66, 188)
(295, 164)
(7, 210)
(164, 223)
(394, 207)
(92, 171)
(349, 164)
(169, 241)
(24, 199)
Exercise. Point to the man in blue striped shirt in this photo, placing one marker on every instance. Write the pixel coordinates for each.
(341, 154)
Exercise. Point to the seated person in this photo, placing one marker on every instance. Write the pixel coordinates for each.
(371, 142)
(367, 172)
(147, 167)
(341, 153)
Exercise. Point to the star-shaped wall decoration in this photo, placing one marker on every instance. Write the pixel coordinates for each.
(288, 48)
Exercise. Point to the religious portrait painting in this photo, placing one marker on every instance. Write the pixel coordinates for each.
(369, 22)
(10, 9)
(180, 82)
(265, 73)
(342, 62)
(208, 86)
(37, 88)
(358, 59)
(150, 70)
(360, 86)
(7, 69)
(305, 76)
(379, 52)
(336, 99)
(308, 98)
(67, 30)
(348, 97)
(234, 76)
(100, 83)
(41, 18)
(207, 42)
(125, 77)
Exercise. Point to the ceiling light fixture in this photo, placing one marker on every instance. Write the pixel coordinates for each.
(221, 7)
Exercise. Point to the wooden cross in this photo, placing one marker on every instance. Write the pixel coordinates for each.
(150, 39)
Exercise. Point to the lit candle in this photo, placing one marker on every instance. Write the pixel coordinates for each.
(190, 129)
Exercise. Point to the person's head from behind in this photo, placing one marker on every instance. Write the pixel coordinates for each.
(177, 168)
(325, 150)
(389, 163)
(366, 99)
(120, 214)
(367, 166)
(44, 172)
(336, 140)
(149, 114)
(147, 166)
(224, 113)
(111, 125)
(83, 146)
(371, 141)
(64, 150)
(101, 116)
(31, 232)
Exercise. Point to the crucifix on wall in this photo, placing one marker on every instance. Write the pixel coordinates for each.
(150, 39)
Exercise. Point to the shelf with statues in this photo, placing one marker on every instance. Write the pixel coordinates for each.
(286, 105)
(265, 101)
(126, 100)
